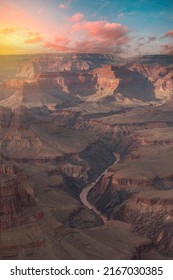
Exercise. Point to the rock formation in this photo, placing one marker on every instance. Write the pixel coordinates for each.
(16, 195)
(63, 119)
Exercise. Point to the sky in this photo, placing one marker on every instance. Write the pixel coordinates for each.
(126, 28)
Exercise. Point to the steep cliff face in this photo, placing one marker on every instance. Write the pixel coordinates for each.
(106, 79)
(16, 195)
(160, 76)
(111, 191)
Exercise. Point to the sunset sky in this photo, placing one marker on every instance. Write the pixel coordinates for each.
(121, 27)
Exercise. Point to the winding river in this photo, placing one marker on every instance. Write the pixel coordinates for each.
(85, 191)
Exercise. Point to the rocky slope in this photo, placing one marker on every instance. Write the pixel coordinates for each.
(61, 121)
(58, 226)
(151, 216)
(139, 189)
(160, 76)
(23, 139)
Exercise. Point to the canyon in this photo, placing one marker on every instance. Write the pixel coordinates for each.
(86, 156)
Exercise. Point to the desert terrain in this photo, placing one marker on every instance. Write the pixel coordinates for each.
(86, 157)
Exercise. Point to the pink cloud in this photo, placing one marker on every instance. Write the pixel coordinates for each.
(169, 34)
(33, 38)
(59, 44)
(76, 18)
(63, 40)
(114, 33)
(56, 47)
(101, 28)
(96, 36)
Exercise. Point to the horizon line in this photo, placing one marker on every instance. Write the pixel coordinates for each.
(85, 53)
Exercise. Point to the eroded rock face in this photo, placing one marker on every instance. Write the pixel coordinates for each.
(151, 215)
(73, 82)
(106, 79)
(111, 191)
(64, 62)
(56, 80)
(16, 195)
(68, 143)
(160, 76)
(20, 234)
